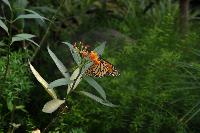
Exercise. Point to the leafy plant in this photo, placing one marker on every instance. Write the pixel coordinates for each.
(71, 81)
(15, 85)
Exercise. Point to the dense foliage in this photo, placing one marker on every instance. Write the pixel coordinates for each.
(157, 90)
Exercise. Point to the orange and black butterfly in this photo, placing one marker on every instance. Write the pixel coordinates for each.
(104, 68)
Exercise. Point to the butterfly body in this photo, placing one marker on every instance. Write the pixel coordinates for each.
(104, 68)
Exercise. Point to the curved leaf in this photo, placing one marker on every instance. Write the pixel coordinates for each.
(100, 48)
(74, 52)
(97, 99)
(52, 105)
(59, 82)
(98, 88)
(29, 16)
(51, 92)
(7, 3)
(24, 36)
(2, 25)
(32, 15)
(59, 64)
(76, 77)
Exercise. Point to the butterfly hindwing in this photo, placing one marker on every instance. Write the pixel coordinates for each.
(104, 68)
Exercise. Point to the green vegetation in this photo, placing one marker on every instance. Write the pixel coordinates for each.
(158, 87)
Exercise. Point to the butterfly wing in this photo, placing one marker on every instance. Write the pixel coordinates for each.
(104, 68)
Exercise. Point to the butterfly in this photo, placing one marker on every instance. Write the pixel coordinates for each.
(104, 68)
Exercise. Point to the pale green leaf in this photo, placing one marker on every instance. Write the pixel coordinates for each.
(52, 105)
(29, 16)
(21, 37)
(59, 82)
(98, 88)
(33, 42)
(24, 36)
(59, 64)
(74, 52)
(51, 92)
(32, 15)
(2, 25)
(100, 48)
(76, 77)
(97, 99)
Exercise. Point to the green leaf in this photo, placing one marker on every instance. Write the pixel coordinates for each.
(74, 53)
(2, 44)
(59, 82)
(29, 16)
(9, 104)
(7, 3)
(97, 99)
(76, 78)
(59, 64)
(32, 15)
(24, 36)
(21, 107)
(33, 12)
(98, 88)
(51, 92)
(33, 42)
(52, 105)
(4, 26)
(21, 37)
(100, 48)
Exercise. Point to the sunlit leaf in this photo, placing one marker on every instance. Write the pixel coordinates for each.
(76, 77)
(51, 92)
(59, 82)
(59, 64)
(2, 25)
(74, 52)
(94, 84)
(52, 105)
(97, 99)
(100, 48)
